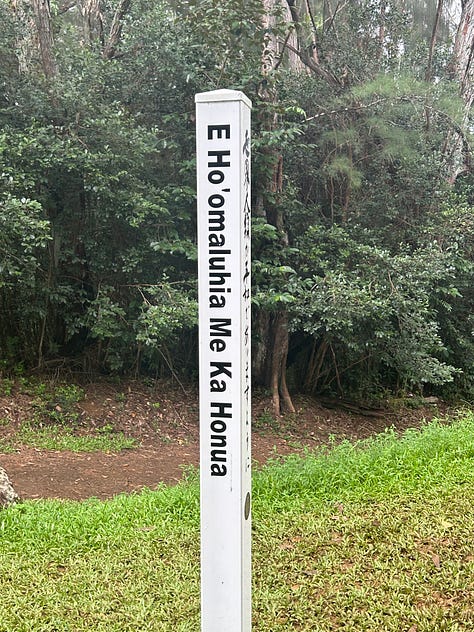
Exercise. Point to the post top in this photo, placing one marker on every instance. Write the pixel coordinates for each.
(222, 95)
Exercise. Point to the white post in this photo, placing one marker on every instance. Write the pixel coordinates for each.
(223, 168)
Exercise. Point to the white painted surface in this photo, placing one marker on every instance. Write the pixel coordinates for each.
(223, 168)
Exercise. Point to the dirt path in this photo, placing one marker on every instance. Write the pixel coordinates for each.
(164, 423)
(50, 474)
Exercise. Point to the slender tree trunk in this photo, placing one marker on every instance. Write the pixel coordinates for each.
(115, 32)
(273, 330)
(281, 397)
(434, 37)
(457, 151)
(260, 346)
(315, 365)
(429, 65)
(383, 8)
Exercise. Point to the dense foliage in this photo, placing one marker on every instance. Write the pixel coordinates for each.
(370, 256)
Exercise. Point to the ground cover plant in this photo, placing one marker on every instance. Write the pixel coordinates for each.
(49, 416)
(56, 437)
(371, 536)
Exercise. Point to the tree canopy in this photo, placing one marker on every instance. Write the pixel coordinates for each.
(362, 184)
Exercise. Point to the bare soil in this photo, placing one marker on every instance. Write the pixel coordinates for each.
(163, 418)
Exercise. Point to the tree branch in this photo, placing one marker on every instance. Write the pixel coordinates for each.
(434, 36)
(310, 61)
(66, 5)
(116, 29)
(331, 19)
(315, 67)
(311, 16)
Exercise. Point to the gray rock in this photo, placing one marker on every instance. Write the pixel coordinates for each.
(8, 495)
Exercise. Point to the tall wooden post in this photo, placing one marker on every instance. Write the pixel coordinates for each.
(223, 171)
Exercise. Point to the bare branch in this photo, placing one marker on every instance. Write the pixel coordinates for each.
(314, 66)
(116, 29)
(353, 108)
(280, 56)
(311, 16)
(331, 19)
(66, 5)
(307, 55)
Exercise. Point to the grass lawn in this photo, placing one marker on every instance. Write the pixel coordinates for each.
(372, 537)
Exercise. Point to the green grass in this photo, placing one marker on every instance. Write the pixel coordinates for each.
(6, 447)
(54, 424)
(440, 454)
(374, 537)
(58, 437)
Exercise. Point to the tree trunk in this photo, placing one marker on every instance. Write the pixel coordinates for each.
(272, 330)
(281, 399)
(457, 152)
(25, 40)
(429, 65)
(116, 29)
(260, 345)
(42, 12)
(93, 27)
(434, 37)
